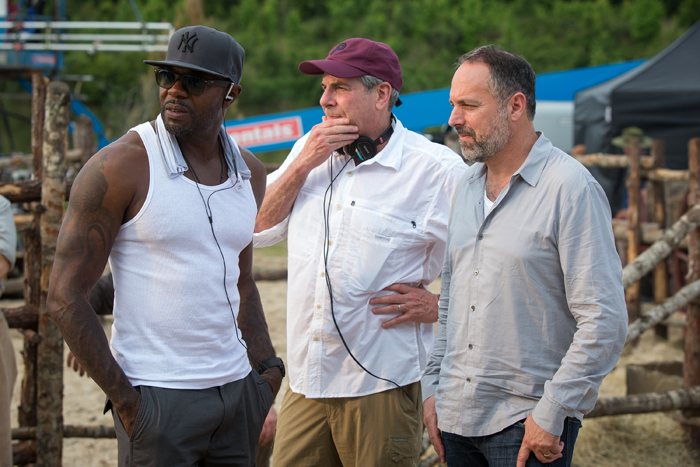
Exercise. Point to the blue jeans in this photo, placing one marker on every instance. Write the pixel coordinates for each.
(501, 449)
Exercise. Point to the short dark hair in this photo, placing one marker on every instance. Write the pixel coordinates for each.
(510, 73)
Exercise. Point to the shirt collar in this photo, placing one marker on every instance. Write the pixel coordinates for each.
(391, 155)
(532, 168)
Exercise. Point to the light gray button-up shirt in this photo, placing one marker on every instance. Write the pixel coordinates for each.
(532, 312)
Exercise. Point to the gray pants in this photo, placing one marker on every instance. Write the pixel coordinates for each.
(212, 427)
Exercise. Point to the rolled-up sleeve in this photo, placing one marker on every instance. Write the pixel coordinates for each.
(595, 296)
(278, 232)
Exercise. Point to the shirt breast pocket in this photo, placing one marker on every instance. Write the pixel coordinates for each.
(377, 249)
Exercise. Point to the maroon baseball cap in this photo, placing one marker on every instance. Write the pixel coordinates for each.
(356, 57)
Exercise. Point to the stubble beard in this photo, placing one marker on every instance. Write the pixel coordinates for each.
(496, 137)
(197, 124)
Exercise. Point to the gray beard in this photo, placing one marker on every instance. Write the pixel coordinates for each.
(498, 134)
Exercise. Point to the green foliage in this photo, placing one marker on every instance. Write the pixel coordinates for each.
(645, 18)
(689, 12)
(428, 36)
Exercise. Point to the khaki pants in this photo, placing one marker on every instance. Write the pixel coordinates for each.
(383, 429)
(8, 374)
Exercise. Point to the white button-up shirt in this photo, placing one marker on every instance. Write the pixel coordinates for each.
(388, 224)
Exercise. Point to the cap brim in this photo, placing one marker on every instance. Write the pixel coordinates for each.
(618, 142)
(189, 66)
(621, 142)
(332, 67)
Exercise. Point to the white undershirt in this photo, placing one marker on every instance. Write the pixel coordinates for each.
(488, 204)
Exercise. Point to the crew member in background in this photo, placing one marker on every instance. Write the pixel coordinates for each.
(364, 204)
(8, 365)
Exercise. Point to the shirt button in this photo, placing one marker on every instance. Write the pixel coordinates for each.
(318, 306)
(469, 380)
(323, 274)
(339, 207)
(473, 308)
(315, 338)
(476, 272)
(481, 237)
(349, 174)
(330, 242)
(471, 346)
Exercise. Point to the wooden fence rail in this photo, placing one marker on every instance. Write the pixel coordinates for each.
(658, 251)
(662, 311)
(678, 399)
(41, 428)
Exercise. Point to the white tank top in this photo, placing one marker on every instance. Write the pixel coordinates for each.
(173, 325)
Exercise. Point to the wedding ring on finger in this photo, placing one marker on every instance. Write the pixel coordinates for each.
(547, 455)
(400, 308)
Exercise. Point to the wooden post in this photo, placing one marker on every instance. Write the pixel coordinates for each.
(84, 139)
(691, 366)
(50, 352)
(634, 233)
(655, 192)
(31, 240)
(39, 83)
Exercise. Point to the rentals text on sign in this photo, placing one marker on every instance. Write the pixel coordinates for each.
(267, 132)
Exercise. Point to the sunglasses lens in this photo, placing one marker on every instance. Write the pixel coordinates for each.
(194, 84)
(165, 79)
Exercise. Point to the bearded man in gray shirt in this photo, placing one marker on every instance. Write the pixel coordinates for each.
(532, 313)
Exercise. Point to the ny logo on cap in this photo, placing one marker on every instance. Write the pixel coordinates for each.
(338, 47)
(188, 41)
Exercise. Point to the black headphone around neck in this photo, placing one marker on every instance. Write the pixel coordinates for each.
(364, 148)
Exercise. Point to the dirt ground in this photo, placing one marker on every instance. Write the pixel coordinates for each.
(639, 440)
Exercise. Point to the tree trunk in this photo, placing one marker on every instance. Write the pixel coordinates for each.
(691, 367)
(39, 82)
(634, 184)
(655, 193)
(50, 355)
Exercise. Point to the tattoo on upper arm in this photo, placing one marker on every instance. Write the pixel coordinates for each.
(91, 225)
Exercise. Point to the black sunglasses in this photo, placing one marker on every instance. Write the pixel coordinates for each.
(193, 84)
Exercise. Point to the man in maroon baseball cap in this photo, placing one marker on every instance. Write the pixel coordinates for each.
(364, 203)
(357, 57)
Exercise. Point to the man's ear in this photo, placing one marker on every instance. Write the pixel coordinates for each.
(517, 106)
(232, 95)
(383, 95)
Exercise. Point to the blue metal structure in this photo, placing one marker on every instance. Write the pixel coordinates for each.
(21, 11)
(425, 109)
(31, 41)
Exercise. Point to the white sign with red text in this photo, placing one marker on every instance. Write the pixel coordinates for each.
(265, 132)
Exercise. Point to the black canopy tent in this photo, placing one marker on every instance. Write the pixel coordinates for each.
(661, 96)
